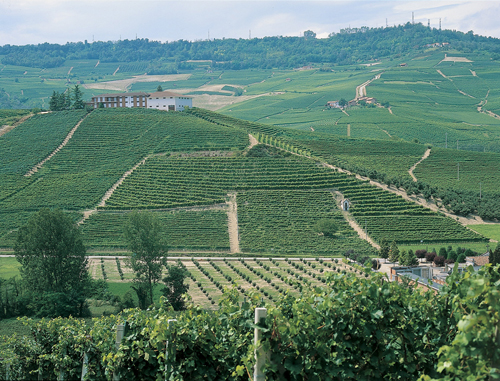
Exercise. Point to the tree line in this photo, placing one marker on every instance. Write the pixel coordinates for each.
(71, 99)
(350, 46)
(55, 280)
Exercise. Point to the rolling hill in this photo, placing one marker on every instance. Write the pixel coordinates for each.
(207, 177)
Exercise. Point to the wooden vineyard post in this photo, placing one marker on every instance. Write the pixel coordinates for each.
(260, 355)
(85, 366)
(496, 364)
(7, 371)
(169, 368)
(120, 332)
(61, 372)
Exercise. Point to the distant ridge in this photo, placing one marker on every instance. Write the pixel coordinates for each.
(350, 46)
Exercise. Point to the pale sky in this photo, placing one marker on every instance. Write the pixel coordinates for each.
(60, 21)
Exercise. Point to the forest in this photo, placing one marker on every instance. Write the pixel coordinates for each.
(349, 46)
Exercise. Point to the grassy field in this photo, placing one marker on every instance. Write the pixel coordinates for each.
(491, 231)
(9, 267)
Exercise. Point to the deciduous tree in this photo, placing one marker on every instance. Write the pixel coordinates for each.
(53, 264)
(144, 235)
(326, 226)
(175, 287)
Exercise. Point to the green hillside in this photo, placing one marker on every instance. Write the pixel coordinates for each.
(195, 170)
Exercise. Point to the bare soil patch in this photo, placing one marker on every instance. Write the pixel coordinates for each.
(61, 146)
(125, 84)
(425, 156)
(232, 224)
(7, 128)
(455, 59)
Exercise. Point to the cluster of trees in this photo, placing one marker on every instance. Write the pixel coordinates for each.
(445, 255)
(146, 241)
(494, 257)
(392, 252)
(71, 99)
(54, 268)
(11, 101)
(350, 46)
(358, 257)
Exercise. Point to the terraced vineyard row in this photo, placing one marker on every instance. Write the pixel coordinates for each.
(387, 215)
(33, 140)
(199, 230)
(105, 146)
(172, 181)
(283, 222)
(414, 229)
(382, 156)
(461, 169)
(368, 200)
(363, 156)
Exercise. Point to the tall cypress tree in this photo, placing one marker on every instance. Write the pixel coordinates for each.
(384, 249)
(394, 252)
(78, 103)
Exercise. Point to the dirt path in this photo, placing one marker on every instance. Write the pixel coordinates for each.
(390, 110)
(7, 128)
(349, 218)
(444, 76)
(69, 71)
(361, 89)
(61, 146)
(425, 156)
(388, 134)
(489, 113)
(253, 142)
(418, 200)
(345, 112)
(473, 73)
(111, 190)
(232, 224)
(464, 93)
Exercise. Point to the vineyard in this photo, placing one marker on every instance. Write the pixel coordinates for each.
(167, 181)
(461, 170)
(194, 160)
(283, 222)
(196, 230)
(269, 278)
(365, 328)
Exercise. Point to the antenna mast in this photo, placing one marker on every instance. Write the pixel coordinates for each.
(413, 18)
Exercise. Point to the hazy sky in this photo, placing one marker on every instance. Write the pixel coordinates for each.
(59, 21)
